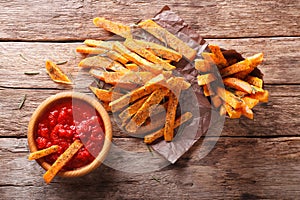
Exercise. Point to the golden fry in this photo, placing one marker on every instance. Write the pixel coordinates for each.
(133, 46)
(148, 139)
(240, 94)
(114, 27)
(222, 110)
(155, 83)
(247, 112)
(132, 67)
(117, 67)
(96, 62)
(62, 160)
(175, 85)
(207, 90)
(253, 61)
(216, 101)
(97, 73)
(109, 53)
(160, 51)
(235, 68)
(205, 79)
(261, 96)
(220, 60)
(238, 84)
(229, 98)
(168, 38)
(255, 81)
(256, 59)
(202, 65)
(108, 45)
(232, 113)
(250, 102)
(56, 74)
(42, 153)
(132, 109)
(133, 57)
(144, 112)
(256, 89)
(105, 95)
(152, 124)
(135, 78)
(106, 106)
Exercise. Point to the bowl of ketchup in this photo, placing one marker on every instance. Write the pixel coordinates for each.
(65, 117)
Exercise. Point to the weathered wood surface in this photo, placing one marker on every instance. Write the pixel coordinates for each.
(277, 117)
(72, 20)
(237, 168)
(281, 57)
(253, 159)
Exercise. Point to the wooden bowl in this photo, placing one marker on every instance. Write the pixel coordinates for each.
(33, 125)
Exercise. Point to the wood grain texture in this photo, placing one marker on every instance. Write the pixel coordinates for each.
(278, 117)
(280, 66)
(253, 159)
(72, 20)
(237, 168)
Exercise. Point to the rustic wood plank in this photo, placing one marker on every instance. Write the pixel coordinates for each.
(72, 20)
(25, 57)
(20, 57)
(278, 117)
(237, 168)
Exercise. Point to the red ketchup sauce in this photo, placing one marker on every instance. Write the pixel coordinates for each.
(67, 121)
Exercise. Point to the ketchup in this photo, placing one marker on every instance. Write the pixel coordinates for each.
(67, 121)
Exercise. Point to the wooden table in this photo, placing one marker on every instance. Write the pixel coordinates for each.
(253, 159)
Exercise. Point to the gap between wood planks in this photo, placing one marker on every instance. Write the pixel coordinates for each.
(62, 89)
(225, 136)
(104, 38)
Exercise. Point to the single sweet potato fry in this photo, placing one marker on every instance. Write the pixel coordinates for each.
(114, 27)
(253, 61)
(132, 67)
(261, 96)
(202, 65)
(229, 98)
(133, 57)
(144, 112)
(42, 153)
(105, 95)
(135, 47)
(220, 60)
(160, 51)
(56, 74)
(238, 84)
(232, 113)
(109, 53)
(205, 79)
(108, 45)
(62, 160)
(96, 62)
(235, 68)
(168, 38)
(216, 101)
(246, 111)
(250, 102)
(155, 83)
(148, 139)
(132, 109)
(175, 86)
(255, 81)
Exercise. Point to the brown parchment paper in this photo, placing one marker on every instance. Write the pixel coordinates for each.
(192, 100)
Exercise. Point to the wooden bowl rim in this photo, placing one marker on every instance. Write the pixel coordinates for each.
(103, 114)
